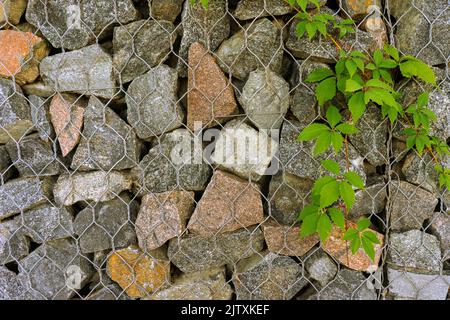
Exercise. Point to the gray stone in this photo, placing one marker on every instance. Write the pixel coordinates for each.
(107, 225)
(88, 71)
(440, 227)
(13, 244)
(55, 270)
(141, 45)
(413, 286)
(420, 171)
(41, 117)
(265, 99)
(321, 267)
(175, 162)
(34, 157)
(371, 200)
(5, 165)
(15, 115)
(256, 46)
(90, 186)
(288, 194)
(268, 276)
(422, 29)
(251, 9)
(21, 194)
(110, 292)
(152, 101)
(195, 253)
(409, 205)
(72, 24)
(208, 26)
(10, 286)
(414, 251)
(107, 141)
(165, 9)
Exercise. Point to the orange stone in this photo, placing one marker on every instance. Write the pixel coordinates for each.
(210, 95)
(340, 250)
(20, 55)
(12, 10)
(138, 273)
(66, 114)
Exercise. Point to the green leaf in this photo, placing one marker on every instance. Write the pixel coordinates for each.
(410, 142)
(350, 234)
(331, 166)
(302, 4)
(324, 227)
(312, 131)
(326, 90)
(388, 64)
(320, 183)
(300, 28)
(381, 96)
(351, 67)
(392, 51)
(323, 142)
(422, 99)
(363, 224)
(311, 29)
(337, 141)
(379, 84)
(319, 75)
(416, 68)
(352, 86)
(347, 194)
(357, 106)
(308, 210)
(371, 236)
(355, 244)
(309, 225)
(368, 248)
(329, 194)
(333, 116)
(347, 128)
(337, 216)
(377, 57)
(354, 179)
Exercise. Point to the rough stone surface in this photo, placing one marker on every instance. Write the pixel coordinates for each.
(321, 267)
(5, 165)
(11, 11)
(163, 216)
(107, 141)
(10, 286)
(71, 24)
(15, 115)
(195, 253)
(40, 116)
(107, 225)
(440, 227)
(410, 206)
(210, 95)
(152, 102)
(250, 9)
(268, 277)
(141, 45)
(257, 46)
(243, 150)
(371, 200)
(13, 245)
(87, 71)
(357, 8)
(265, 99)
(228, 203)
(176, 162)
(138, 273)
(108, 293)
(38, 88)
(165, 9)
(90, 186)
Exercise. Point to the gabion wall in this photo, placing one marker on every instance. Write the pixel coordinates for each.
(148, 151)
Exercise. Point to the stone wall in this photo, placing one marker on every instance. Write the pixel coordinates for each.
(148, 151)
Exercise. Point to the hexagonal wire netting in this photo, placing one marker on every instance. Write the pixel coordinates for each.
(148, 151)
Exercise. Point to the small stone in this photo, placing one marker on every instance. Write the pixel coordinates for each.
(107, 225)
(66, 114)
(5, 165)
(13, 244)
(108, 293)
(285, 240)
(11, 11)
(257, 46)
(38, 88)
(141, 45)
(413, 286)
(55, 270)
(250, 9)
(152, 102)
(420, 171)
(268, 277)
(107, 142)
(40, 115)
(374, 24)
(20, 54)
(414, 251)
(21, 194)
(88, 71)
(357, 9)
(94, 186)
(321, 267)
(175, 162)
(243, 150)
(15, 115)
(210, 95)
(165, 9)
(339, 249)
(195, 253)
(265, 99)
(208, 26)
(410, 206)
(10, 286)
(71, 24)
(440, 227)
(138, 273)
(163, 216)
(371, 200)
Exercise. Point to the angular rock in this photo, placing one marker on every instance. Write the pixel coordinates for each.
(210, 95)
(40, 115)
(243, 150)
(10, 286)
(88, 71)
(414, 251)
(15, 115)
(208, 26)
(11, 11)
(13, 244)
(321, 267)
(410, 206)
(440, 227)
(5, 165)
(107, 141)
(141, 45)
(250, 9)
(138, 273)
(20, 54)
(176, 162)
(107, 225)
(109, 292)
(268, 277)
(228, 203)
(163, 216)
(357, 9)
(165, 9)
(265, 99)
(90, 186)
(55, 270)
(71, 24)
(257, 46)
(38, 88)
(195, 253)
(371, 200)
(21, 194)
(152, 102)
